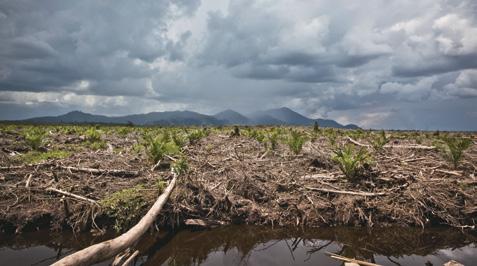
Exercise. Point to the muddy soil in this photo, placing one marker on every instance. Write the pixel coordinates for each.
(236, 180)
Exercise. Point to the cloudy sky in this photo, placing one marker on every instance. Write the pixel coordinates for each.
(377, 63)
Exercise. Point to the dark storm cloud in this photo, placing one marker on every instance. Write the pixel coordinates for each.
(359, 62)
(262, 45)
(51, 45)
(439, 65)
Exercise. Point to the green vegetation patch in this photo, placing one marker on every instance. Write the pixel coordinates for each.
(36, 157)
(127, 206)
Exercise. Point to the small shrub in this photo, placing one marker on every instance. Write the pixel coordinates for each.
(296, 141)
(350, 161)
(453, 149)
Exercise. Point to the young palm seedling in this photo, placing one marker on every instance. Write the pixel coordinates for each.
(93, 136)
(159, 147)
(332, 136)
(351, 162)
(180, 166)
(196, 135)
(273, 139)
(296, 141)
(379, 141)
(453, 149)
(34, 138)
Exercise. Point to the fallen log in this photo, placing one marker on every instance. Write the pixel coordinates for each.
(114, 172)
(108, 249)
(354, 193)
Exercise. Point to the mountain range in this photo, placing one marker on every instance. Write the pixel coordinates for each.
(280, 116)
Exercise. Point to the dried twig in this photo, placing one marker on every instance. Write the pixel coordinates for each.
(449, 172)
(28, 181)
(354, 193)
(345, 259)
(358, 143)
(114, 172)
(417, 147)
(72, 195)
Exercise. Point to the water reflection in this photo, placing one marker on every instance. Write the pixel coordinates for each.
(250, 245)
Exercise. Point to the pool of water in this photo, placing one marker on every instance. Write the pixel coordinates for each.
(251, 245)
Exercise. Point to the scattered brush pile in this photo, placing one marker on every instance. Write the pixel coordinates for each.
(232, 182)
(109, 177)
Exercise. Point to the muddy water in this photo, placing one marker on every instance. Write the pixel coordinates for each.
(250, 245)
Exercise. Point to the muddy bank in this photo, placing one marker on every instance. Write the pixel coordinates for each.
(229, 180)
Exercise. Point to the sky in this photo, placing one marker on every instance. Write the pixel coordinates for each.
(400, 64)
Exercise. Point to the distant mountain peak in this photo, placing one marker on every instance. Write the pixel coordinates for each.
(284, 108)
(76, 112)
(228, 111)
(232, 117)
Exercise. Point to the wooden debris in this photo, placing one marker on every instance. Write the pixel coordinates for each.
(131, 258)
(71, 195)
(28, 181)
(453, 263)
(95, 171)
(349, 260)
(358, 143)
(354, 193)
(196, 222)
(202, 223)
(417, 147)
(449, 172)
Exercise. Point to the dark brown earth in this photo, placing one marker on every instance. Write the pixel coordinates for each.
(234, 179)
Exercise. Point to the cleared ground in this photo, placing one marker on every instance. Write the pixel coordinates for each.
(254, 175)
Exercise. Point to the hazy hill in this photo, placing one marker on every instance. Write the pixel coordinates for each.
(280, 116)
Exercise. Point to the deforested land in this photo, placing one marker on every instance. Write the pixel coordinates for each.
(99, 178)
